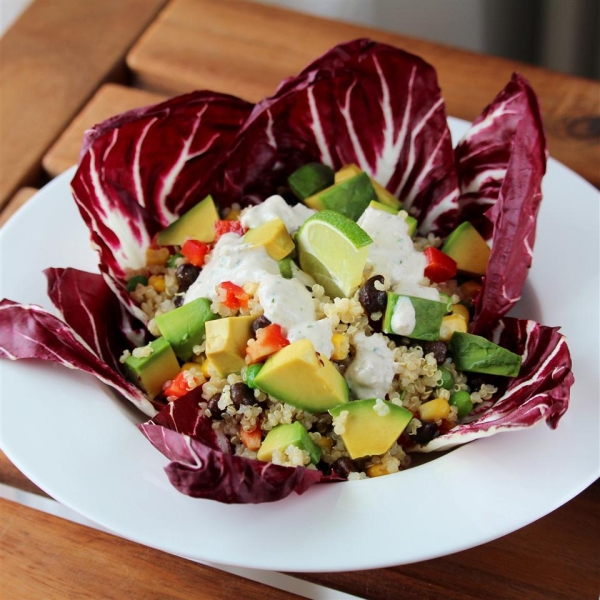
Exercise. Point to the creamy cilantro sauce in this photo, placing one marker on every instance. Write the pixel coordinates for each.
(276, 207)
(371, 372)
(285, 301)
(392, 254)
(404, 317)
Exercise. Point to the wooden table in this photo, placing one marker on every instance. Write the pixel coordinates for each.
(55, 63)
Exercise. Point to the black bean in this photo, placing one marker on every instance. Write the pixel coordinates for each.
(343, 466)
(475, 381)
(372, 299)
(186, 275)
(425, 433)
(241, 394)
(178, 301)
(213, 406)
(261, 322)
(438, 349)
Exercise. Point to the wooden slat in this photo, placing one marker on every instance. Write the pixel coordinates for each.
(15, 203)
(109, 100)
(247, 49)
(43, 556)
(52, 60)
(555, 558)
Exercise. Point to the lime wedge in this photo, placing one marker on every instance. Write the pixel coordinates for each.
(333, 250)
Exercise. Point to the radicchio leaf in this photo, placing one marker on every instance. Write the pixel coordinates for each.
(28, 331)
(203, 467)
(362, 102)
(541, 390)
(140, 170)
(89, 307)
(501, 162)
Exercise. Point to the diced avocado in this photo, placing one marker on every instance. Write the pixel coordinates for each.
(302, 377)
(383, 195)
(152, 371)
(466, 246)
(198, 223)
(371, 427)
(350, 197)
(310, 179)
(476, 354)
(289, 434)
(285, 267)
(274, 236)
(410, 221)
(135, 281)
(416, 318)
(251, 372)
(184, 327)
(226, 341)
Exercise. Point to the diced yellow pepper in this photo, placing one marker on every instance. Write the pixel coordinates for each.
(462, 310)
(434, 410)
(341, 346)
(157, 282)
(377, 470)
(156, 257)
(450, 324)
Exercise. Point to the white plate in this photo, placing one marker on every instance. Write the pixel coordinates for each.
(76, 440)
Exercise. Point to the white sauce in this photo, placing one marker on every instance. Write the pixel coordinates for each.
(273, 208)
(319, 333)
(371, 372)
(392, 254)
(231, 260)
(404, 317)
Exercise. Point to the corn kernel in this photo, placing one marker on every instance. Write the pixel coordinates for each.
(450, 324)
(341, 346)
(207, 368)
(376, 470)
(188, 366)
(324, 443)
(156, 257)
(157, 282)
(232, 215)
(462, 310)
(434, 410)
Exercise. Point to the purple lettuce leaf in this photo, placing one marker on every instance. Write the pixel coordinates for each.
(89, 307)
(202, 465)
(28, 331)
(541, 390)
(501, 162)
(139, 171)
(362, 102)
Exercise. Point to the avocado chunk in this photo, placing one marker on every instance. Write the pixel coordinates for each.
(274, 236)
(416, 318)
(226, 341)
(370, 426)
(310, 179)
(466, 246)
(198, 223)
(184, 327)
(410, 221)
(300, 376)
(152, 371)
(383, 195)
(350, 197)
(282, 436)
(476, 354)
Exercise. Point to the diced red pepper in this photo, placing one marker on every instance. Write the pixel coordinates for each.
(195, 251)
(269, 340)
(251, 439)
(440, 266)
(232, 295)
(222, 227)
(178, 387)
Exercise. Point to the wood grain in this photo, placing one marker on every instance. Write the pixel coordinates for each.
(14, 204)
(52, 60)
(555, 558)
(43, 556)
(246, 49)
(111, 99)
